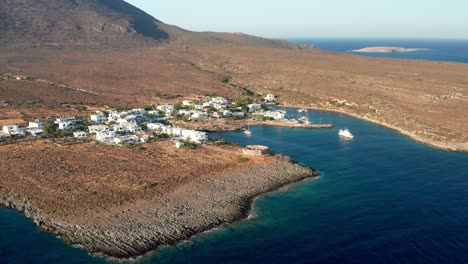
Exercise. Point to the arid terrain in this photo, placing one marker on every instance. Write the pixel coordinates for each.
(125, 202)
(70, 57)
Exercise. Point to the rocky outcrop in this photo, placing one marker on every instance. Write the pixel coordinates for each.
(195, 207)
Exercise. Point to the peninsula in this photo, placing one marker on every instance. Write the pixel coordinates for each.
(387, 49)
(124, 202)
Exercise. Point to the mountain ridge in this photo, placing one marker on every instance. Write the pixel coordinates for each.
(108, 23)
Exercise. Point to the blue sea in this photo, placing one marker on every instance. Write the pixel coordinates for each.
(381, 198)
(453, 50)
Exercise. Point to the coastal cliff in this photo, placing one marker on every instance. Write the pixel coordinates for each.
(139, 226)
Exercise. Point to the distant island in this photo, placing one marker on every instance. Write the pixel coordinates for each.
(388, 49)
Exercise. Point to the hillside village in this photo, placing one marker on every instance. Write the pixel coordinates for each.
(141, 125)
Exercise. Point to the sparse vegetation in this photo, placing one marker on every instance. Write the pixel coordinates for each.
(243, 159)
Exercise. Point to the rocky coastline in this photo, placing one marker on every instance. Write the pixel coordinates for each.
(447, 146)
(134, 229)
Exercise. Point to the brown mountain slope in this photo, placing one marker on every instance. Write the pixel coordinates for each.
(76, 22)
(108, 23)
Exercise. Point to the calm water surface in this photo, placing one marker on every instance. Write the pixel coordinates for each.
(453, 50)
(382, 198)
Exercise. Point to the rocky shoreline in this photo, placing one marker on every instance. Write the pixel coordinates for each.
(134, 229)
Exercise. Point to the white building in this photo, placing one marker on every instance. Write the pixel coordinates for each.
(168, 109)
(138, 111)
(227, 113)
(66, 125)
(198, 107)
(98, 117)
(98, 129)
(187, 103)
(3, 134)
(254, 107)
(133, 127)
(80, 134)
(208, 104)
(36, 124)
(118, 128)
(198, 115)
(35, 128)
(71, 119)
(277, 115)
(13, 130)
(220, 100)
(270, 98)
(106, 136)
(154, 113)
(128, 139)
(35, 131)
(193, 135)
(218, 106)
(155, 126)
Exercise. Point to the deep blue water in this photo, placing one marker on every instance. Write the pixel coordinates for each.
(382, 198)
(441, 49)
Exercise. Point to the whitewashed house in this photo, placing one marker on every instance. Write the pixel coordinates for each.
(153, 113)
(114, 116)
(227, 113)
(198, 115)
(13, 130)
(277, 115)
(3, 134)
(35, 128)
(80, 134)
(154, 126)
(98, 117)
(270, 98)
(254, 107)
(208, 104)
(36, 124)
(71, 119)
(218, 106)
(108, 136)
(66, 125)
(118, 128)
(127, 139)
(187, 103)
(138, 111)
(193, 135)
(168, 109)
(133, 127)
(98, 129)
(198, 107)
(220, 100)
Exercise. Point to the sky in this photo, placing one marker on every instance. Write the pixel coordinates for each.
(317, 18)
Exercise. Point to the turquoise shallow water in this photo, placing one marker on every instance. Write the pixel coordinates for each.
(382, 198)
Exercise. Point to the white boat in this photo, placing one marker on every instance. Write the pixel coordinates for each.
(345, 133)
(302, 110)
(304, 120)
(247, 131)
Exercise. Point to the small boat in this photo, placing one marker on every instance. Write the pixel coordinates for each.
(247, 131)
(302, 110)
(304, 120)
(345, 133)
